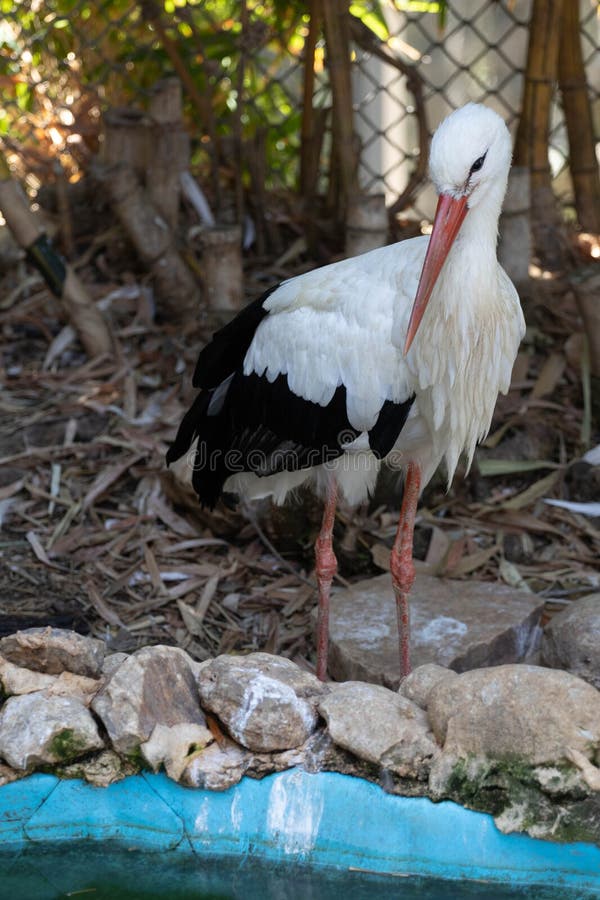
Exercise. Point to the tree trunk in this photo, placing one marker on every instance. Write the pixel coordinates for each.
(531, 147)
(578, 116)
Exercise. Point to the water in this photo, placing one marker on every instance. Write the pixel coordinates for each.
(88, 872)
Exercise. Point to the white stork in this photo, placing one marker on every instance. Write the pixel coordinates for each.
(397, 354)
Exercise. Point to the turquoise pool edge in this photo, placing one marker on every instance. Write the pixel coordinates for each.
(321, 820)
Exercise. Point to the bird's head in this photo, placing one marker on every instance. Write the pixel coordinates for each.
(470, 153)
(469, 161)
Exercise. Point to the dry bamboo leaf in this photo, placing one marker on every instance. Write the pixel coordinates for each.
(65, 337)
(511, 576)
(191, 618)
(37, 548)
(10, 489)
(523, 521)
(439, 545)
(208, 594)
(101, 607)
(380, 554)
(532, 493)
(494, 439)
(168, 549)
(185, 587)
(550, 375)
(167, 515)
(105, 479)
(153, 570)
(472, 562)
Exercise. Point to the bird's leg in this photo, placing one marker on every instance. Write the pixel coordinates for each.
(401, 562)
(326, 569)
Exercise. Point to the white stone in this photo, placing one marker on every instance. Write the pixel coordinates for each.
(173, 745)
(36, 729)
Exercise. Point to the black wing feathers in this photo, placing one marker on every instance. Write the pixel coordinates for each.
(390, 422)
(228, 347)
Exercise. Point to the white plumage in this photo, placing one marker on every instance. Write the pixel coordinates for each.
(433, 322)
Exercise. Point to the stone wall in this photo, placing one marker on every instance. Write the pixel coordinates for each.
(519, 741)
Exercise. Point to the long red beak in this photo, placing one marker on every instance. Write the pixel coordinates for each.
(449, 216)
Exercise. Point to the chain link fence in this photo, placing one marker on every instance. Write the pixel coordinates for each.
(63, 62)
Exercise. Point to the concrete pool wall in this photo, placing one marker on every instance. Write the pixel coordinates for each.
(320, 820)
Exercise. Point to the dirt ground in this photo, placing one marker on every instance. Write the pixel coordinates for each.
(97, 535)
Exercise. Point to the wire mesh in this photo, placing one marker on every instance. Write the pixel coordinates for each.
(63, 62)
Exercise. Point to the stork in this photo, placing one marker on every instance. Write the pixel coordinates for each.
(398, 354)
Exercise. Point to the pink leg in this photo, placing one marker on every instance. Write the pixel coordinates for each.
(326, 569)
(401, 562)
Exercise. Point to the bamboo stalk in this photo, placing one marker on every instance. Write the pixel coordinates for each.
(64, 210)
(170, 149)
(207, 97)
(237, 130)
(576, 104)
(152, 238)
(308, 163)
(337, 37)
(531, 147)
(202, 102)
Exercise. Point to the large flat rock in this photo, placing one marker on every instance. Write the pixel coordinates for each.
(458, 624)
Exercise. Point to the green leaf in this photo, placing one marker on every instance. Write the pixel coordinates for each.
(491, 467)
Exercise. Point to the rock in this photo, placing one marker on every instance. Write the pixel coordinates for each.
(38, 730)
(112, 662)
(16, 680)
(418, 685)
(525, 713)
(68, 685)
(54, 650)
(8, 775)
(172, 746)
(458, 624)
(154, 685)
(381, 727)
(589, 772)
(105, 768)
(266, 702)
(572, 640)
(218, 767)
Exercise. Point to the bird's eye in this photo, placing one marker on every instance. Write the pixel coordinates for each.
(478, 164)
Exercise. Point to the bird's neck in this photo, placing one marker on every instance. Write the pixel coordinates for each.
(478, 236)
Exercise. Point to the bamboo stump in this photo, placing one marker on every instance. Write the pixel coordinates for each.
(222, 268)
(514, 247)
(176, 288)
(79, 307)
(168, 151)
(366, 224)
(125, 139)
